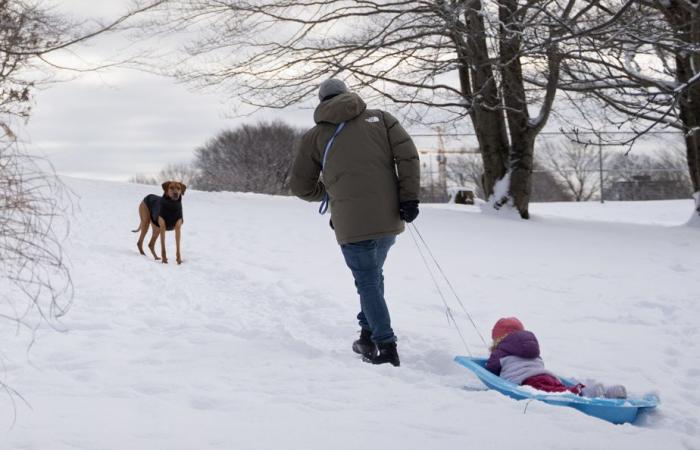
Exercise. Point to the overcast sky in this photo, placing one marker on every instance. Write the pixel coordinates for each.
(127, 122)
(120, 122)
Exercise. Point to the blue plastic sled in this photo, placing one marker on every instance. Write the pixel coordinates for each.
(617, 411)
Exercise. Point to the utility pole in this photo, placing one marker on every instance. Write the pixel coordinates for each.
(432, 180)
(600, 161)
(442, 163)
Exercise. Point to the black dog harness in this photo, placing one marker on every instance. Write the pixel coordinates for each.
(169, 210)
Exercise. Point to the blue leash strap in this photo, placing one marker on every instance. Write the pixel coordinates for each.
(325, 201)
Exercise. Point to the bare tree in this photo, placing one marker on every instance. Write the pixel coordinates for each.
(645, 71)
(183, 172)
(467, 168)
(577, 166)
(35, 284)
(453, 58)
(649, 177)
(29, 34)
(546, 187)
(31, 207)
(250, 158)
(140, 178)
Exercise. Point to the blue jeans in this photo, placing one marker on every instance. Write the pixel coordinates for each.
(366, 259)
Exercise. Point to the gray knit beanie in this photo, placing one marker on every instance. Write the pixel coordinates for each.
(331, 87)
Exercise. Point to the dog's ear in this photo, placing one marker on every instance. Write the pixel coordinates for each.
(165, 186)
(184, 188)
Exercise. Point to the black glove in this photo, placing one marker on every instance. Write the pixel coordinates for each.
(408, 210)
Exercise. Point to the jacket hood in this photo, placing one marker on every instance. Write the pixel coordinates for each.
(520, 343)
(340, 108)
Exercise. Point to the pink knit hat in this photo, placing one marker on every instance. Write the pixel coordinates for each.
(504, 326)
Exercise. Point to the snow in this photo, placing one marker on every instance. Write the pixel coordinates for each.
(246, 345)
(695, 218)
(653, 212)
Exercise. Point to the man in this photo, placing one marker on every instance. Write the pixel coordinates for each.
(371, 176)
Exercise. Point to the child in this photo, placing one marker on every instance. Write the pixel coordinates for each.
(515, 356)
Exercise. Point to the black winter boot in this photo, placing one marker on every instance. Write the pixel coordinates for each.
(364, 346)
(387, 354)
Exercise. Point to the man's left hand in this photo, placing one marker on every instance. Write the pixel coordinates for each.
(408, 210)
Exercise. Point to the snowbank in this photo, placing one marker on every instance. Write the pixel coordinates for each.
(247, 344)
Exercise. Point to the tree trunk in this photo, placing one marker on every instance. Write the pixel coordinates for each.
(692, 143)
(486, 114)
(493, 146)
(521, 174)
(688, 30)
(521, 136)
(690, 115)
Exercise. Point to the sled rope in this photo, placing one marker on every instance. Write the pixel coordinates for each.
(448, 310)
(447, 280)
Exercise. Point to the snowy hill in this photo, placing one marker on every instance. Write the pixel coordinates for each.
(247, 344)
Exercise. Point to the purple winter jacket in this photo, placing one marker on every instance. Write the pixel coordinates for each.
(522, 344)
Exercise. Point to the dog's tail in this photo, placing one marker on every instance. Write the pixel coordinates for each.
(137, 229)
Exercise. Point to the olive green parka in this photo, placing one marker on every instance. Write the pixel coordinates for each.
(371, 167)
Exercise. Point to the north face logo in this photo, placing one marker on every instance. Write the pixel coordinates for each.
(372, 119)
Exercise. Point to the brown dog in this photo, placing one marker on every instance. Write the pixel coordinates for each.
(163, 213)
